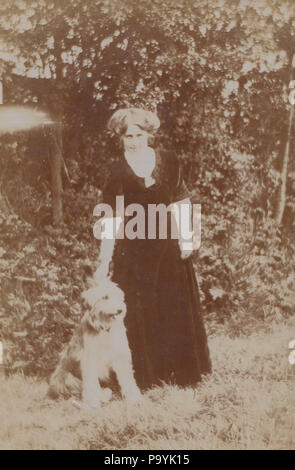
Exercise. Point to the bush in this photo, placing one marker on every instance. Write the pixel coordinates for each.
(42, 277)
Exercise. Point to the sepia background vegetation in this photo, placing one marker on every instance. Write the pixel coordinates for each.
(219, 74)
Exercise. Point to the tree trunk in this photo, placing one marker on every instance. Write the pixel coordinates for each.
(56, 160)
(281, 203)
(282, 192)
(5, 209)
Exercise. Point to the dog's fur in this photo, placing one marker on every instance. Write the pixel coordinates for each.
(99, 345)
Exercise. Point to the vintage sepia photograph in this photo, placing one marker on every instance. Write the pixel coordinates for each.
(147, 227)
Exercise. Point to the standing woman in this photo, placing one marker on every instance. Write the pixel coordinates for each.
(164, 322)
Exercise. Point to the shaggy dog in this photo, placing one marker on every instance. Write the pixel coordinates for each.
(99, 345)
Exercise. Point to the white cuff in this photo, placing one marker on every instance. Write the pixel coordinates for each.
(188, 221)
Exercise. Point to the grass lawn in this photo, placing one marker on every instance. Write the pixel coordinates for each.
(248, 402)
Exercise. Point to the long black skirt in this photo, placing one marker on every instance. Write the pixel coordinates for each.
(164, 323)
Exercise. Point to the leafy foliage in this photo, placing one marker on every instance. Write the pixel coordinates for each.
(42, 277)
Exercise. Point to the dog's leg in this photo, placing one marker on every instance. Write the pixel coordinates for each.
(91, 391)
(125, 376)
(122, 366)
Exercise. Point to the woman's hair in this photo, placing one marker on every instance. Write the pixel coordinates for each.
(146, 120)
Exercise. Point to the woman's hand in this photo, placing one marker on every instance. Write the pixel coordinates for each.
(102, 271)
(110, 225)
(186, 249)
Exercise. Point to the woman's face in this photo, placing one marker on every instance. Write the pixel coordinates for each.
(135, 139)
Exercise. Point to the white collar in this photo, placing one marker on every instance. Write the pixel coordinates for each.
(143, 164)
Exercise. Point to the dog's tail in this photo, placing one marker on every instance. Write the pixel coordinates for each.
(63, 384)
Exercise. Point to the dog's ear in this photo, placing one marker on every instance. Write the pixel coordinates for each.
(91, 282)
(92, 295)
(91, 318)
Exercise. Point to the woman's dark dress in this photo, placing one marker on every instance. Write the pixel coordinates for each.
(164, 323)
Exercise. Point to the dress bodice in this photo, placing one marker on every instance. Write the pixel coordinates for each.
(168, 183)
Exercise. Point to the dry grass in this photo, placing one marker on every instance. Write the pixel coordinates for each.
(247, 403)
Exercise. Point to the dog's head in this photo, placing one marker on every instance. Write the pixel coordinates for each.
(107, 304)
